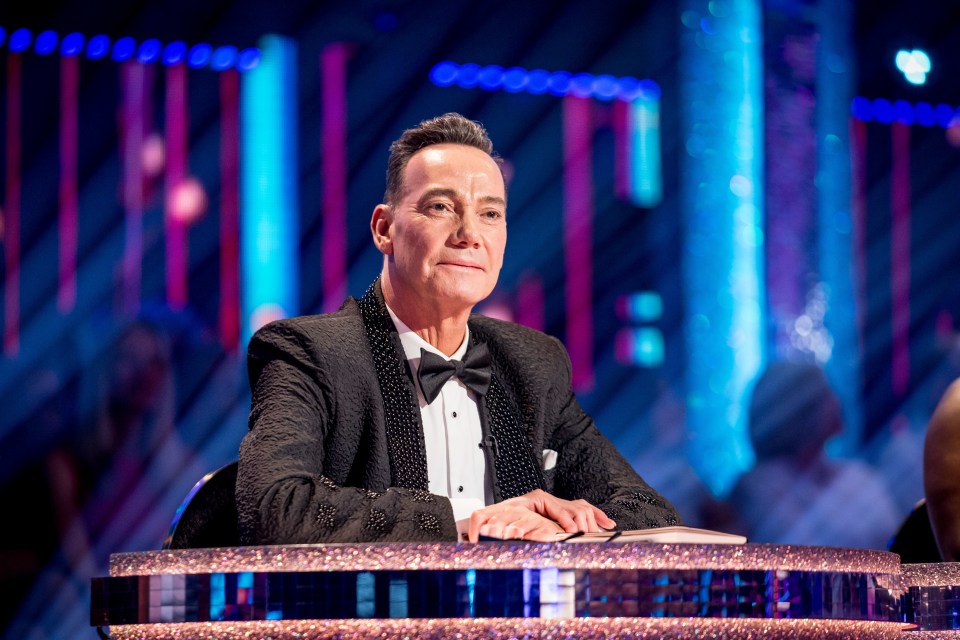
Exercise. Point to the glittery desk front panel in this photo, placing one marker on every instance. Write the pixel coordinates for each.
(931, 599)
(508, 589)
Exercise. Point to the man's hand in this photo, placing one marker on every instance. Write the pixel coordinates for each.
(536, 516)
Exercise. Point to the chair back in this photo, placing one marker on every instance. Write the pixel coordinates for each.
(914, 541)
(207, 517)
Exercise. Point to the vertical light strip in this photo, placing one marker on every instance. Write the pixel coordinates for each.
(858, 212)
(620, 116)
(578, 236)
(333, 270)
(229, 312)
(133, 76)
(837, 179)
(900, 257)
(176, 173)
(530, 301)
(646, 173)
(268, 191)
(67, 282)
(11, 213)
(722, 188)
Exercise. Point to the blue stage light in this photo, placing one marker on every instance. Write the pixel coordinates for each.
(72, 44)
(515, 79)
(248, 59)
(98, 47)
(469, 75)
(20, 40)
(650, 89)
(491, 77)
(945, 115)
(126, 48)
(269, 266)
(559, 83)
(443, 74)
(199, 55)
(581, 85)
(883, 110)
(223, 58)
(46, 42)
(862, 109)
(174, 53)
(915, 65)
(925, 114)
(123, 49)
(538, 81)
(628, 89)
(903, 112)
(149, 51)
(604, 87)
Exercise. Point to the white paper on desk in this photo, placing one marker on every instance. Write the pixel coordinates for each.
(677, 534)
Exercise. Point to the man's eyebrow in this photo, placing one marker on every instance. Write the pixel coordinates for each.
(453, 195)
(494, 200)
(439, 191)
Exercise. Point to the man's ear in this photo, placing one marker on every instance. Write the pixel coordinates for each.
(381, 226)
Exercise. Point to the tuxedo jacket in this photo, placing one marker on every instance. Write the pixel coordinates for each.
(335, 448)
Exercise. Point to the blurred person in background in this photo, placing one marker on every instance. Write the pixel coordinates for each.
(796, 493)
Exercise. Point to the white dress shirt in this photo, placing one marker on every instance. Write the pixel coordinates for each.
(456, 465)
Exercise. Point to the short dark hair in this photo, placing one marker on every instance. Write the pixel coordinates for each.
(450, 128)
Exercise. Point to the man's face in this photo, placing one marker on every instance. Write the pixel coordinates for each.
(445, 236)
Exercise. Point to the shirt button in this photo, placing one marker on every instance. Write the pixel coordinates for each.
(454, 414)
(460, 489)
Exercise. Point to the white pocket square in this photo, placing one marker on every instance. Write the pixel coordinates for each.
(549, 459)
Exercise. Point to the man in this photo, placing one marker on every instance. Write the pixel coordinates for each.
(404, 417)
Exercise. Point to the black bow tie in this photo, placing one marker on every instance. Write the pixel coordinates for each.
(473, 371)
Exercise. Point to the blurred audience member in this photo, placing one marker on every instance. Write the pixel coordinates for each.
(941, 473)
(25, 486)
(796, 494)
(115, 465)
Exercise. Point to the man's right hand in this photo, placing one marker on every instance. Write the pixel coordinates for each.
(537, 516)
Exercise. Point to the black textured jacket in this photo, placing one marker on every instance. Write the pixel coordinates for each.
(335, 450)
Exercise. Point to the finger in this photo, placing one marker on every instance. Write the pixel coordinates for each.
(602, 519)
(477, 519)
(546, 531)
(561, 512)
(587, 521)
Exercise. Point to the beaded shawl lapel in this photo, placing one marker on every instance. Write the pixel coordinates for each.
(515, 470)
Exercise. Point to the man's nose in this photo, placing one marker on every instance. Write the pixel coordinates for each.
(468, 231)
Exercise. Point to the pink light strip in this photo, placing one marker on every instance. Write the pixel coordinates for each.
(333, 71)
(900, 258)
(620, 115)
(230, 210)
(530, 301)
(176, 173)
(11, 217)
(133, 87)
(67, 284)
(858, 211)
(578, 236)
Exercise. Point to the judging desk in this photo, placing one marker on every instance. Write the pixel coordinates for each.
(503, 590)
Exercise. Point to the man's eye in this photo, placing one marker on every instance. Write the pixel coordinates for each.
(493, 214)
(438, 206)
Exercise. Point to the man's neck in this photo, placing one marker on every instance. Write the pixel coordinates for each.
(443, 331)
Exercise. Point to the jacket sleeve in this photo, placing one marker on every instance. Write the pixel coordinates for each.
(588, 466)
(285, 495)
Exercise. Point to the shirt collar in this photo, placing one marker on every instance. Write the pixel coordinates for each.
(412, 343)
